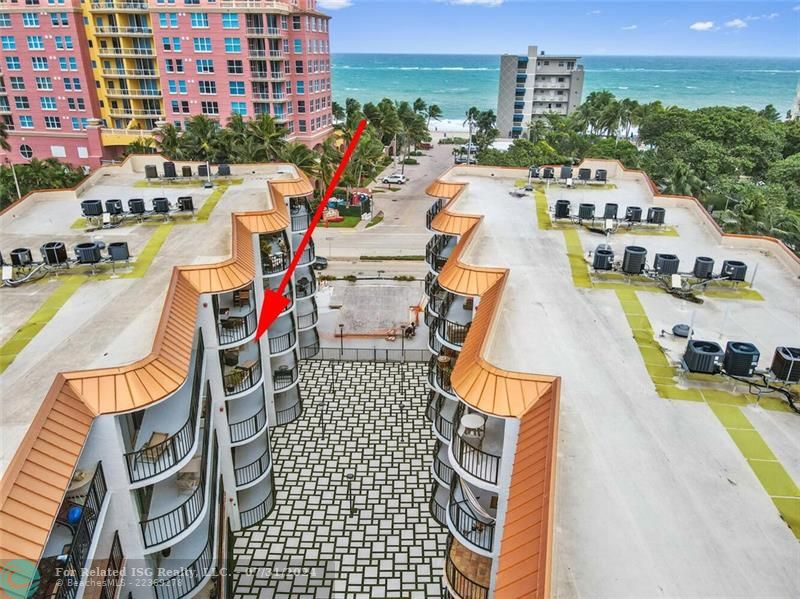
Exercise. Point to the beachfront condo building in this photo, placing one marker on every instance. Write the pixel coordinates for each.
(149, 462)
(535, 85)
(80, 80)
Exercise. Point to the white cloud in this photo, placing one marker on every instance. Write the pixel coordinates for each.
(334, 4)
(796, 8)
(736, 24)
(702, 26)
(630, 28)
(594, 13)
(476, 2)
(766, 17)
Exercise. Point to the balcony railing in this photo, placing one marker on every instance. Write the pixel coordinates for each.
(290, 414)
(133, 93)
(258, 513)
(274, 263)
(249, 427)
(282, 343)
(442, 470)
(113, 570)
(463, 585)
(133, 73)
(114, 30)
(246, 474)
(300, 222)
(305, 321)
(454, 333)
(131, 52)
(309, 350)
(309, 254)
(71, 572)
(236, 328)
(438, 511)
(434, 251)
(119, 6)
(439, 373)
(242, 378)
(257, 53)
(152, 460)
(478, 531)
(281, 379)
(306, 287)
(480, 464)
(430, 279)
(437, 207)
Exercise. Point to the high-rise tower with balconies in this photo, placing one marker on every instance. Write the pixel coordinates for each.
(81, 80)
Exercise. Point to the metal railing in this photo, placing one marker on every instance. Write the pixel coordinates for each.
(440, 422)
(433, 341)
(72, 570)
(437, 207)
(130, 73)
(305, 321)
(113, 570)
(274, 263)
(308, 352)
(234, 329)
(250, 472)
(249, 427)
(477, 531)
(152, 460)
(290, 414)
(431, 405)
(442, 470)
(300, 222)
(120, 6)
(258, 513)
(282, 343)
(241, 379)
(463, 585)
(281, 379)
(115, 30)
(133, 93)
(309, 254)
(430, 279)
(438, 511)
(373, 354)
(307, 288)
(132, 52)
(454, 333)
(440, 300)
(434, 249)
(439, 375)
(480, 464)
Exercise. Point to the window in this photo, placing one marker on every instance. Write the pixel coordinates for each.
(76, 104)
(44, 83)
(22, 103)
(296, 23)
(177, 87)
(26, 121)
(205, 65)
(68, 63)
(52, 122)
(5, 20)
(17, 83)
(172, 44)
(298, 46)
(8, 42)
(35, 42)
(48, 103)
(39, 63)
(230, 21)
(301, 125)
(298, 66)
(64, 43)
(239, 108)
(235, 67)
(199, 20)
(301, 106)
(236, 88)
(13, 63)
(168, 20)
(207, 87)
(30, 19)
(284, 22)
(209, 107)
(26, 151)
(233, 45)
(202, 44)
(76, 123)
(301, 87)
(59, 19)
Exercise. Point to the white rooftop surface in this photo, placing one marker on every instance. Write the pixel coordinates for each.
(653, 497)
(109, 322)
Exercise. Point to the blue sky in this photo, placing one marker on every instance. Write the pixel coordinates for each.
(646, 27)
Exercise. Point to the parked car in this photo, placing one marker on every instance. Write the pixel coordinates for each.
(462, 159)
(471, 148)
(321, 263)
(395, 178)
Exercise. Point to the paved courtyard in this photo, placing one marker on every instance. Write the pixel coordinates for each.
(365, 419)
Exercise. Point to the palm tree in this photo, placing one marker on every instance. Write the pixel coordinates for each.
(302, 157)
(143, 145)
(269, 135)
(201, 138)
(4, 145)
(434, 114)
(248, 151)
(420, 106)
(338, 112)
(682, 181)
(169, 143)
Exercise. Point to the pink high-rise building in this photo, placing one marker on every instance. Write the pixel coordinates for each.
(79, 80)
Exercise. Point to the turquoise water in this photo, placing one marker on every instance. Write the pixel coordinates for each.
(455, 82)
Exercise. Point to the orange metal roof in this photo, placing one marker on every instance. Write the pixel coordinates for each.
(452, 223)
(37, 477)
(465, 279)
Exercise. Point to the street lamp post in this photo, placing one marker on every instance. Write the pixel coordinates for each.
(341, 340)
(14, 175)
(350, 476)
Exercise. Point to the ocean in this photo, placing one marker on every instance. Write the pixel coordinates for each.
(456, 82)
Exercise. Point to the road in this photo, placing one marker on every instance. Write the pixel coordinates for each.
(402, 231)
(386, 269)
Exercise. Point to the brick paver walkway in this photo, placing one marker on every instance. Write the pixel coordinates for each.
(352, 423)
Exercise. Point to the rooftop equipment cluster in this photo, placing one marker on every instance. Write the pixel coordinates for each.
(567, 174)
(633, 215)
(171, 171)
(54, 257)
(114, 212)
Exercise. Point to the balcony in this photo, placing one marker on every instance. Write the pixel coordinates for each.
(309, 344)
(282, 335)
(306, 283)
(133, 113)
(251, 461)
(235, 312)
(241, 367)
(437, 207)
(179, 500)
(159, 449)
(123, 31)
(112, 570)
(133, 93)
(247, 417)
(288, 406)
(441, 412)
(63, 564)
(477, 450)
(468, 574)
(438, 503)
(438, 251)
(273, 284)
(284, 371)
(256, 503)
(257, 75)
(256, 30)
(300, 212)
(441, 465)
(275, 53)
(274, 253)
(455, 317)
(131, 73)
(430, 279)
(309, 255)
(126, 52)
(257, 53)
(472, 512)
(307, 314)
(118, 7)
(440, 368)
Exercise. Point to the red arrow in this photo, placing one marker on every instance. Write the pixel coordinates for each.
(274, 301)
